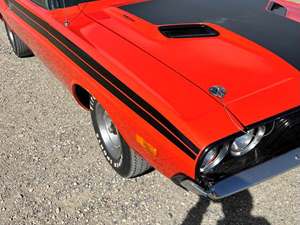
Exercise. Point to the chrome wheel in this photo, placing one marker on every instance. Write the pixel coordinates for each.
(110, 135)
(11, 36)
(124, 160)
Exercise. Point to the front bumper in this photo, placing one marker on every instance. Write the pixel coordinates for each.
(247, 178)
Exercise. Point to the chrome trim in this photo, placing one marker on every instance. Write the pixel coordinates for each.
(247, 178)
(210, 165)
(193, 187)
(256, 138)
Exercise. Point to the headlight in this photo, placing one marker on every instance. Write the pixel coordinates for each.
(237, 147)
(244, 144)
(213, 157)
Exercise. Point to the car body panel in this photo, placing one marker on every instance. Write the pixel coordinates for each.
(169, 161)
(213, 61)
(248, 18)
(147, 87)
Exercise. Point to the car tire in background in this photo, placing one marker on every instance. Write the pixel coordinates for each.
(119, 155)
(19, 47)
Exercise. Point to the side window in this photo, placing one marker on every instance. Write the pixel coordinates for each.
(69, 3)
(55, 4)
(42, 3)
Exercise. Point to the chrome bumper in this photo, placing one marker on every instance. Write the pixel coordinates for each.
(247, 178)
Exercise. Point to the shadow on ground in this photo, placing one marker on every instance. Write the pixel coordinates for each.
(237, 210)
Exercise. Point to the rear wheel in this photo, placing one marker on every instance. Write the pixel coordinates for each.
(19, 47)
(123, 160)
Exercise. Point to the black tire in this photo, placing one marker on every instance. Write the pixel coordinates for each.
(19, 47)
(129, 164)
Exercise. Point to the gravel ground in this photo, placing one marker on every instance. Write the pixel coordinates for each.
(51, 171)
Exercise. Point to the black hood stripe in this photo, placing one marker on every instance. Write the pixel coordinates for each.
(107, 80)
(248, 18)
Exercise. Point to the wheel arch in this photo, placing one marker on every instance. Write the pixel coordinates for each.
(82, 96)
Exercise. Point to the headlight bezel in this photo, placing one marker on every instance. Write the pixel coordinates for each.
(278, 139)
(222, 151)
(256, 134)
(227, 142)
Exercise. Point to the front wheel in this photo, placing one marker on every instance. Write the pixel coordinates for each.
(123, 160)
(19, 47)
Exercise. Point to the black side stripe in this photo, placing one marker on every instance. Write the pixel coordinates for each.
(86, 62)
(114, 80)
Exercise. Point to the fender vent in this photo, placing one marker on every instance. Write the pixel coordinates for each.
(188, 31)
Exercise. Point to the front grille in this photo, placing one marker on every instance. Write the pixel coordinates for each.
(284, 137)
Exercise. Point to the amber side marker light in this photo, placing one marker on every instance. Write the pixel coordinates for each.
(146, 145)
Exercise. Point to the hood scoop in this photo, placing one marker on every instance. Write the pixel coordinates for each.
(188, 31)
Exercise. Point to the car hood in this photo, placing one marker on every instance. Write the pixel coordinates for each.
(259, 83)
